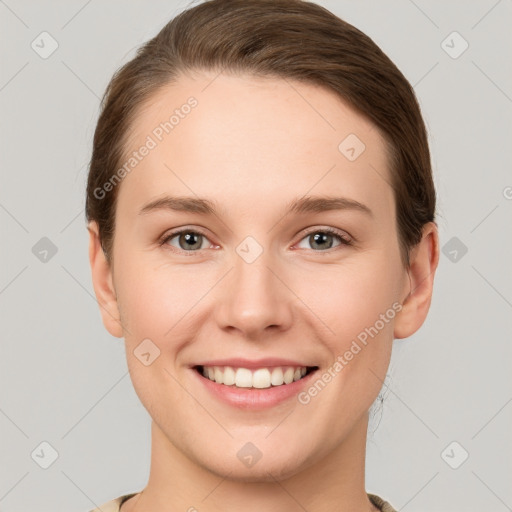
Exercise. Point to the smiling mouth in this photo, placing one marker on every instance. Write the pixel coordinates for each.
(259, 378)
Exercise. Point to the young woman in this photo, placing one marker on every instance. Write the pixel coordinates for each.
(262, 226)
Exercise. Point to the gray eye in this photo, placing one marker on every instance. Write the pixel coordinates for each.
(321, 240)
(187, 240)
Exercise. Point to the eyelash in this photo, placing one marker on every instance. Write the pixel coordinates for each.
(342, 237)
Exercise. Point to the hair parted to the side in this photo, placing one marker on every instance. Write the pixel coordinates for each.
(291, 39)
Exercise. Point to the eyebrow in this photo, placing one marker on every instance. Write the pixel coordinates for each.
(301, 205)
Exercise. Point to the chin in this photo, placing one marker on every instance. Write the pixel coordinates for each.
(263, 470)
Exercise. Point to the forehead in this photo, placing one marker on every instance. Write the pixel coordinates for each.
(241, 139)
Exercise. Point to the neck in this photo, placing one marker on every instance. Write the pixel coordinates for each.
(335, 483)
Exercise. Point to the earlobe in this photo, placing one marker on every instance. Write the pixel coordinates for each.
(423, 265)
(103, 284)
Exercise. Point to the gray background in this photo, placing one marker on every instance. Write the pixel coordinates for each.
(64, 379)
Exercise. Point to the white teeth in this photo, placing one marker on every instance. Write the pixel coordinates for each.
(243, 378)
(219, 377)
(229, 376)
(288, 375)
(260, 378)
(276, 378)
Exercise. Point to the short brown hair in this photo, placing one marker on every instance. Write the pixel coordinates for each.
(292, 39)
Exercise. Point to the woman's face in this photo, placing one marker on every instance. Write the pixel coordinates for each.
(256, 280)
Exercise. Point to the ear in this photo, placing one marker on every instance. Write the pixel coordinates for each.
(103, 283)
(423, 264)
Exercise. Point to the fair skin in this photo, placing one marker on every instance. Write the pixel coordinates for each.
(253, 145)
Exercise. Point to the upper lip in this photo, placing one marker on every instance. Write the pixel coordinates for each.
(254, 363)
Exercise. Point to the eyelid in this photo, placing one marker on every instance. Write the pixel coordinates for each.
(346, 237)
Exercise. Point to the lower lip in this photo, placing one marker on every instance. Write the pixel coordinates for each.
(253, 398)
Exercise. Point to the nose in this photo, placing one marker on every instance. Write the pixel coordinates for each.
(255, 299)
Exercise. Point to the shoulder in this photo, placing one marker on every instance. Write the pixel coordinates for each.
(113, 505)
(381, 504)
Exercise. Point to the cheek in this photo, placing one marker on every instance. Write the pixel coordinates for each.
(351, 298)
(152, 300)
(359, 308)
(358, 304)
